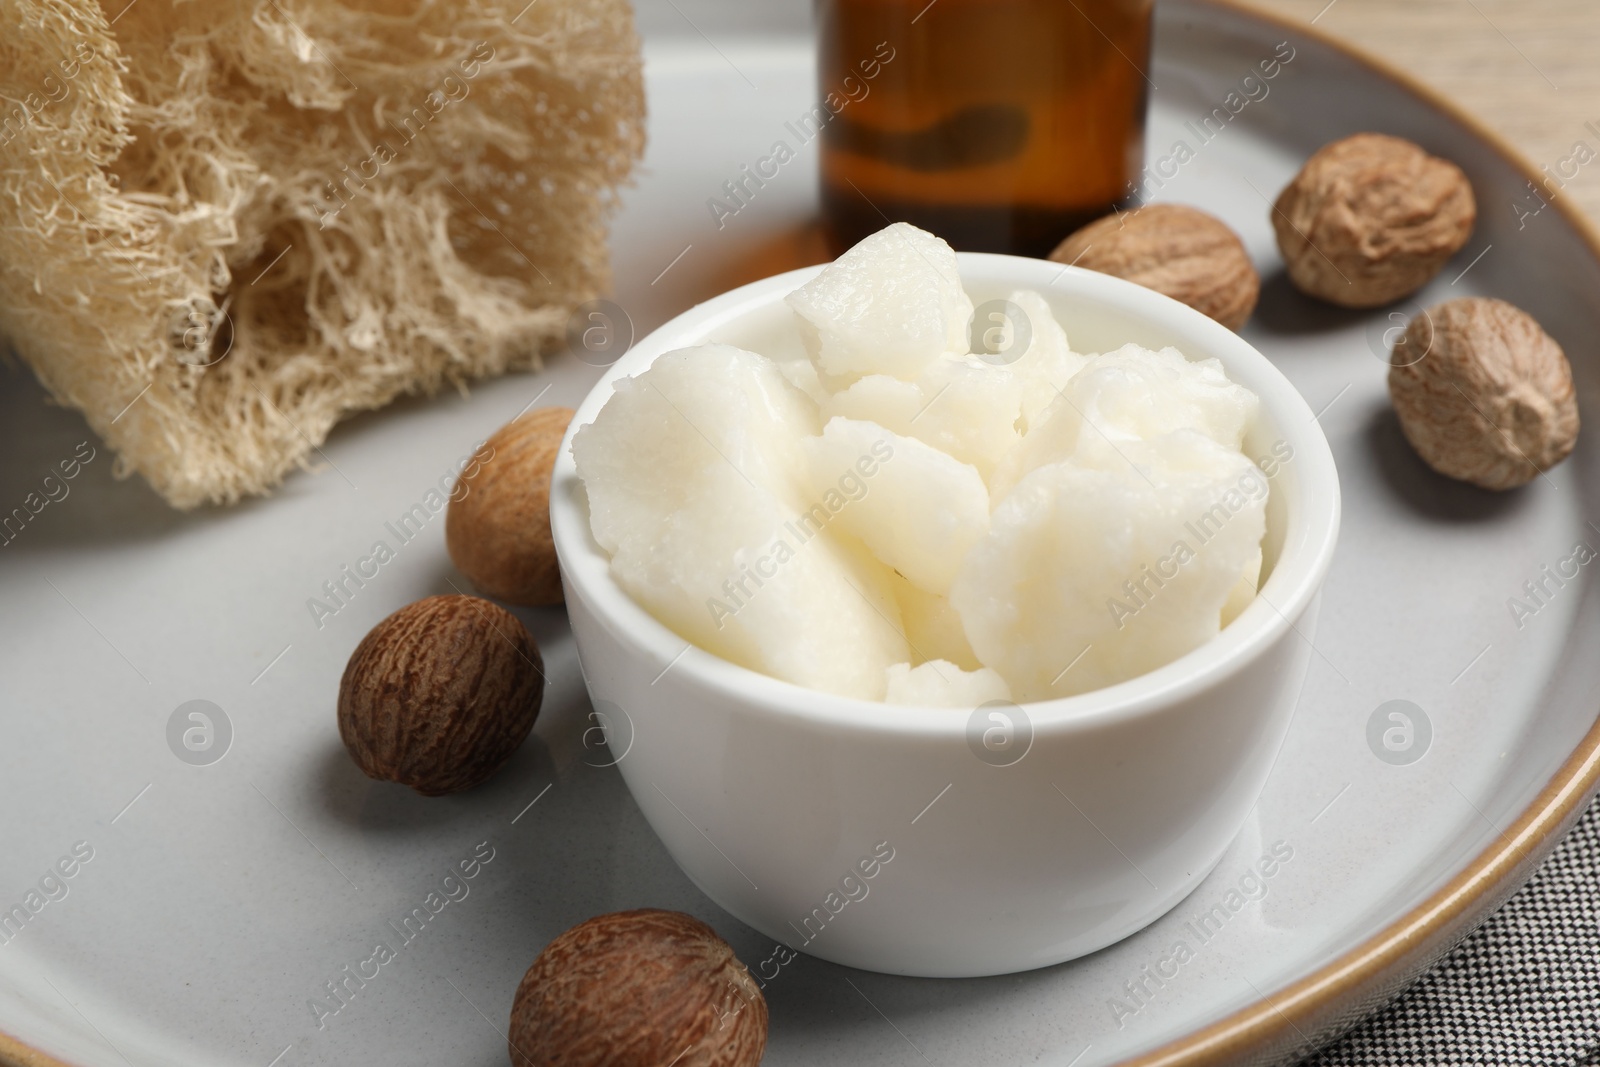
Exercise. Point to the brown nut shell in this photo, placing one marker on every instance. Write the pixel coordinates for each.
(497, 529)
(439, 695)
(638, 989)
(1370, 219)
(1178, 251)
(1483, 393)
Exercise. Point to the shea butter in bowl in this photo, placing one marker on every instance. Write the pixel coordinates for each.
(969, 834)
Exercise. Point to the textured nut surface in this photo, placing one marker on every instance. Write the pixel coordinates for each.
(638, 989)
(1176, 250)
(440, 694)
(498, 526)
(1371, 219)
(1490, 400)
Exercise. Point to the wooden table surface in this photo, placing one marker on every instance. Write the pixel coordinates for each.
(1527, 67)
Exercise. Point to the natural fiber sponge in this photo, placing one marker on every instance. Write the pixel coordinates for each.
(223, 227)
(1490, 399)
(498, 527)
(1371, 219)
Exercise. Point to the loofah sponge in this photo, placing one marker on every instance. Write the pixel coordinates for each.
(224, 226)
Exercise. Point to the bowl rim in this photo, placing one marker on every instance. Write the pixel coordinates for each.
(1311, 533)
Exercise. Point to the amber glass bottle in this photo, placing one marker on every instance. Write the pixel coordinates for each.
(1000, 125)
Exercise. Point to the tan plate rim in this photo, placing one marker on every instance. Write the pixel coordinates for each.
(1294, 1018)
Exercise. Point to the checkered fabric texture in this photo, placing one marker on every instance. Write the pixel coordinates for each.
(1524, 991)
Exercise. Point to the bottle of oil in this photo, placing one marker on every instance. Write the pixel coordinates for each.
(1000, 125)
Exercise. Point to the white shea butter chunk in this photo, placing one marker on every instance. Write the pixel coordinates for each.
(960, 405)
(919, 511)
(890, 305)
(932, 627)
(1093, 575)
(939, 684)
(1129, 395)
(973, 406)
(695, 475)
(1047, 362)
(802, 374)
(1244, 590)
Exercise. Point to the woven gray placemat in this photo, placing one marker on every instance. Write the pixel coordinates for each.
(1524, 990)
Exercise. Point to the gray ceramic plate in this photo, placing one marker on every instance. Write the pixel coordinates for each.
(221, 898)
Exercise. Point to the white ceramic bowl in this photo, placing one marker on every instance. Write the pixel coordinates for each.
(874, 835)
